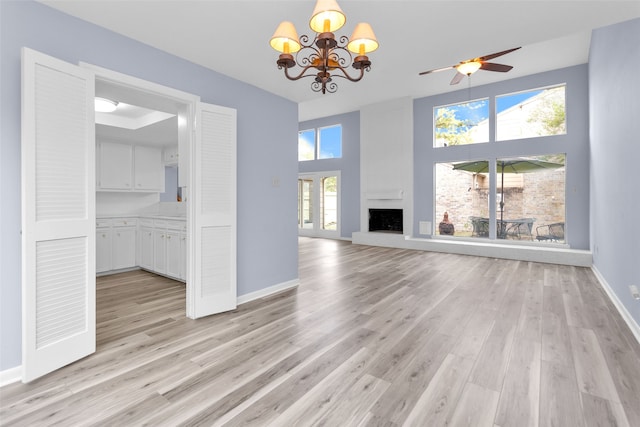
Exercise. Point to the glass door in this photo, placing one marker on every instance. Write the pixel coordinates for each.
(319, 204)
(305, 203)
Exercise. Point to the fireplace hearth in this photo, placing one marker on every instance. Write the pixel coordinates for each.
(385, 220)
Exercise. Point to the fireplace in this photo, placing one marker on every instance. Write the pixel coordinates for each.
(385, 220)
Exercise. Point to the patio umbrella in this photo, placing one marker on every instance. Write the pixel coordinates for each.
(513, 165)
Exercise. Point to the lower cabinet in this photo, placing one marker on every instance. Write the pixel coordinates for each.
(123, 241)
(146, 247)
(160, 251)
(163, 247)
(103, 249)
(157, 245)
(115, 244)
(174, 260)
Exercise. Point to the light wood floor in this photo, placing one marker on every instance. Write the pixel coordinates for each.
(371, 337)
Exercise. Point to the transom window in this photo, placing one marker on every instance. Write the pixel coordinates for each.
(320, 143)
(460, 124)
(530, 114)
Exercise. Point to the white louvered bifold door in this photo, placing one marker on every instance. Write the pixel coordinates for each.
(214, 219)
(58, 214)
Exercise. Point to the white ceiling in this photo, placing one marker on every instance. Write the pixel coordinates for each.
(232, 37)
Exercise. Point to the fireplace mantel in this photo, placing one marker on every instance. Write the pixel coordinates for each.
(385, 195)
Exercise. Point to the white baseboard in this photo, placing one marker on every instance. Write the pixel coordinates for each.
(9, 376)
(268, 291)
(635, 328)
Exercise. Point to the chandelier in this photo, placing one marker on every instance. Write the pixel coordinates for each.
(324, 57)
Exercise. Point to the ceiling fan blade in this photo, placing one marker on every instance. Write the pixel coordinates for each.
(436, 70)
(456, 79)
(495, 55)
(490, 66)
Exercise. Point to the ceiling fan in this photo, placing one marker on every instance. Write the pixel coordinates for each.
(470, 66)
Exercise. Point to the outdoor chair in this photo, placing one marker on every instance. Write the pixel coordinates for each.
(480, 226)
(550, 232)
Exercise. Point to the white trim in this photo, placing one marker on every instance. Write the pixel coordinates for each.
(280, 287)
(635, 328)
(10, 376)
(316, 231)
(187, 104)
(562, 256)
(120, 79)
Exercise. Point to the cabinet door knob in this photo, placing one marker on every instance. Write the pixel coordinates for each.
(168, 237)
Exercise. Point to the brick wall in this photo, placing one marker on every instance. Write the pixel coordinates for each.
(541, 197)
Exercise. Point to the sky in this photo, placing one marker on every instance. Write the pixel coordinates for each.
(477, 111)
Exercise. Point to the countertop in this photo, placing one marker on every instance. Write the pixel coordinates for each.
(153, 216)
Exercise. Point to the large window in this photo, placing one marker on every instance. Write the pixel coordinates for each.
(534, 113)
(529, 196)
(462, 197)
(320, 143)
(460, 124)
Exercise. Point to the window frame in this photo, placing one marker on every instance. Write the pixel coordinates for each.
(317, 142)
(541, 88)
(489, 114)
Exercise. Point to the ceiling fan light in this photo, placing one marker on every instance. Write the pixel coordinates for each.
(468, 68)
(327, 17)
(363, 40)
(104, 105)
(285, 38)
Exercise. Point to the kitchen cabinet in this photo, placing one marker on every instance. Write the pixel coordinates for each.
(173, 254)
(115, 244)
(148, 170)
(160, 250)
(125, 167)
(163, 247)
(146, 247)
(123, 243)
(115, 162)
(171, 156)
(183, 256)
(103, 246)
(156, 245)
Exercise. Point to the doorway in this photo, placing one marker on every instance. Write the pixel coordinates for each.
(58, 189)
(319, 204)
(140, 222)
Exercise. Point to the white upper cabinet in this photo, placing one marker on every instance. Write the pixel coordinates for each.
(148, 169)
(171, 156)
(115, 166)
(125, 167)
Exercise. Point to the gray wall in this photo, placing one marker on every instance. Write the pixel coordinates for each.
(267, 136)
(349, 165)
(614, 100)
(575, 144)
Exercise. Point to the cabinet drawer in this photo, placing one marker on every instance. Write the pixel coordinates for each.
(124, 222)
(103, 223)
